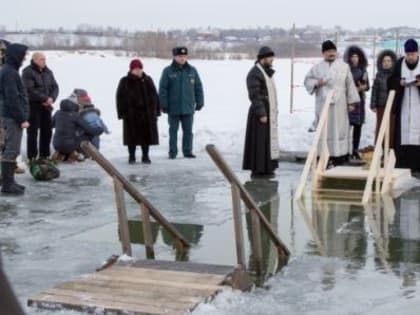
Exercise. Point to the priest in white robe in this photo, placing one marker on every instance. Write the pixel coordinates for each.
(333, 74)
(405, 80)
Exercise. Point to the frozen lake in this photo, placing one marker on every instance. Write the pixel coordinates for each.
(346, 260)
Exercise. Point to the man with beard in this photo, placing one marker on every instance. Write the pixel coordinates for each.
(261, 143)
(332, 74)
(405, 80)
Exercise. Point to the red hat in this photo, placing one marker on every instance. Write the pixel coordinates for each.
(136, 63)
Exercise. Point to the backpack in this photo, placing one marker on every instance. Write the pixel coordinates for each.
(43, 170)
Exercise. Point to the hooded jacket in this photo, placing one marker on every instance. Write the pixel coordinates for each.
(360, 76)
(379, 95)
(68, 124)
(13, 99)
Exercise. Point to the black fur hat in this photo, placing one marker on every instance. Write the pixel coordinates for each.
(177, 51)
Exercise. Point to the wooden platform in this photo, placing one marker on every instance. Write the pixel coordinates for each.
(140, 288)
(359, 173)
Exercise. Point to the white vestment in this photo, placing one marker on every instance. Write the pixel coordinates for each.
(410, 108)
(339, 78)
(273, 104)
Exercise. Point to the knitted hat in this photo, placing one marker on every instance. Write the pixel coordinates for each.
(264, 52)
(82, 96)
(411, 46)
(177, 51)
(328, 45)
(136, 64)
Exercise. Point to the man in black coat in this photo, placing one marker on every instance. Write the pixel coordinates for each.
(405, 80)
(261, 143)
(42, 92)
(15, 114)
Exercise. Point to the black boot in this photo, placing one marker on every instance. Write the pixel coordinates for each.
(145, 155)
(131, 154)
(9, 186)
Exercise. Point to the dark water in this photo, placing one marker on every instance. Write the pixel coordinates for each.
(346, 259)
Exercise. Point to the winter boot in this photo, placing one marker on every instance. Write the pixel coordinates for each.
(19, 170)
(145, 154)
(9, 186)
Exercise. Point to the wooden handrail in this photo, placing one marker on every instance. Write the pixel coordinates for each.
(383, 136)
(312, 155)
(133, 192)
(246, 198)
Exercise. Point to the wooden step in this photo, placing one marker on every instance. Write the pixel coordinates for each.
(140, 288)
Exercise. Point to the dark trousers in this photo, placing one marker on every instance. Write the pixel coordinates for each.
(40, 119)
(357, 134)
(187, 137)
(12, 141)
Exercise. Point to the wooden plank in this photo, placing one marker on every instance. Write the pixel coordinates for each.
(387, 184)
(147, 231)
(153, 274)
(352, 172)
(86, 293)
(118, 284)
(122, 217)
(184, 266)
(238, 226)
(95, 306)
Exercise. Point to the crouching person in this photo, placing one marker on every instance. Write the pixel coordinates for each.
(15, 114)
(70, 130)
(91, 115)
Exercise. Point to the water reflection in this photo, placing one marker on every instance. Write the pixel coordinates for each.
(265, 193)
(385, 233)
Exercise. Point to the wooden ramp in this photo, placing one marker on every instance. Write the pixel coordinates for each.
(140, 288)
(359, 173)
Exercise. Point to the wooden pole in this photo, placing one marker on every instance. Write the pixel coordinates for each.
(122, 218)
(256, 241)
(312, 155)
(292, 67)
(237, 221)
(376, 159)
(147, 232)
(246, 197)
(133, 192)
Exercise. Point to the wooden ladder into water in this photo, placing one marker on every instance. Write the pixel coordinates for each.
(344, 180)
(146, 287)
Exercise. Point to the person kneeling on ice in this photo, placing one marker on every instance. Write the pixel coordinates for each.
(68, 126)
(91, 115)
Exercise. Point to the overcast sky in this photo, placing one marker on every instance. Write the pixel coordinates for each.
(166, 14)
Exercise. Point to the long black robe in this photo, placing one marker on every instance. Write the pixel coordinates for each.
(257, 155)
(408, 156)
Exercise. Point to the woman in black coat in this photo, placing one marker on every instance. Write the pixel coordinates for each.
(356, 58)
(138, 107)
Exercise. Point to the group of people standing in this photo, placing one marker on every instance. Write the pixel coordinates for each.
(139, 105)
(27, 102)
(349, 80)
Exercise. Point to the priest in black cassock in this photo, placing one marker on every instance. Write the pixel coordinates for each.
(262, 151)
(405, 80)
